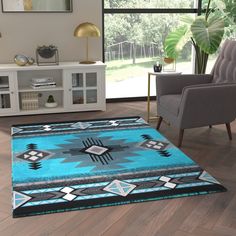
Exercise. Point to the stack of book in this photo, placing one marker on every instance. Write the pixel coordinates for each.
(43, 83)
(5, 101)
(29, 101)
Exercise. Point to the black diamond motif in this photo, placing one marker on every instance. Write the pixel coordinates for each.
(154, 145)
(33, 155)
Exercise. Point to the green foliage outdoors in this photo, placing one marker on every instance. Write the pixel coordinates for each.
(205, 32)
(142, 29)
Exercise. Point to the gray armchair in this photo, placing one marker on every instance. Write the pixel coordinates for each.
(190, 101)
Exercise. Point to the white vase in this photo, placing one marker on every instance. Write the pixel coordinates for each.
(50, 104)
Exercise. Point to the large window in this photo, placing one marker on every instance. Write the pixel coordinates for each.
(134, 34)
(148, 4)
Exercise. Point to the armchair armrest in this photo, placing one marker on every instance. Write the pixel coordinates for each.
(205, 105)
(174, 84)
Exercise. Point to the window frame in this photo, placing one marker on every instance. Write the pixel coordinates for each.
(197, 10)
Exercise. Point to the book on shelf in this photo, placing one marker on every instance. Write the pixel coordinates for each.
(43, 85)
(42, 80)
(4, 103)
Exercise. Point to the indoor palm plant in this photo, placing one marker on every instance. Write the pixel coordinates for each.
(205, 33)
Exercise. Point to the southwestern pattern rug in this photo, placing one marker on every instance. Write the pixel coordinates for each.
(76, 165)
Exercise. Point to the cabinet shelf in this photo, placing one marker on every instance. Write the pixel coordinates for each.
(87, 88)
(79, 88)
(4, 91)
(29, 89)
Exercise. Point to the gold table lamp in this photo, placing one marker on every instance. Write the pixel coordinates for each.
(87, 30)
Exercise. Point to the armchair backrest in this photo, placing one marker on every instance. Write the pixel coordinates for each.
(224, 70)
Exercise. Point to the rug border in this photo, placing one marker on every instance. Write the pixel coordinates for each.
(73, 121)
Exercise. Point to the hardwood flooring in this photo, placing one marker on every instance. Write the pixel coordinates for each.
(209, 215)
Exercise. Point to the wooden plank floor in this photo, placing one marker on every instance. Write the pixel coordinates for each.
(210, 215)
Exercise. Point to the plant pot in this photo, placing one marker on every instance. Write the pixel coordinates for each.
(50, 104)
(157, 68)
(168, 60)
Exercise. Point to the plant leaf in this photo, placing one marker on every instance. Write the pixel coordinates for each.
(176, 40)
(208, 34)
(187, 19)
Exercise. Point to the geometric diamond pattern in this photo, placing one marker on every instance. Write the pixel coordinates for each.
(81, 125)
(120, 188)
(47, 128)
(69, 196)
(167, 184)
(97, 150)
(154, 145)
(19, 199)
(167, 180)
(15, 130)
(33, 155)
(114, 123)
(141, 121)
(206, 177)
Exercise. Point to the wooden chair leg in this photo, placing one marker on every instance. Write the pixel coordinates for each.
(229, 130)
(181, 135)
(159, 122)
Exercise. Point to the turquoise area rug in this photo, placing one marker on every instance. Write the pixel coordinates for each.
(77, 165)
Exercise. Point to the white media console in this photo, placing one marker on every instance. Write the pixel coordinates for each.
(79, 87)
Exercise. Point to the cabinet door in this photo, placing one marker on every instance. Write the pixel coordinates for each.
(84, 89)
(8, 94)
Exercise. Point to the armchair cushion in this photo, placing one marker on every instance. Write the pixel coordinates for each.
(171, 103)
(174, 84)
(224, 70)
(211, 104)
(203, 86)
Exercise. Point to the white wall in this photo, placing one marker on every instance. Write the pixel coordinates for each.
(23, 32)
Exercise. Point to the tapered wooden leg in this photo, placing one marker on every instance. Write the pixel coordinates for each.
(159, 122)
(229, 130)
(210, 126)
(181, 135)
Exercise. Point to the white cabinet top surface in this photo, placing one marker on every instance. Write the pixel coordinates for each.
(62, 65)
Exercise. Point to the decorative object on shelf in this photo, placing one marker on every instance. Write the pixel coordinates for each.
(51, 102)
(87, 30)
(21, 60)
(47, 55)
(169, 64)
(157, 67)
(31, 61)
(46, 82)
(29, 101)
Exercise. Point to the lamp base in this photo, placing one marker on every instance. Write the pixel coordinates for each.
(87, 62)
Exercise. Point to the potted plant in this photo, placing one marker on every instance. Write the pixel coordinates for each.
(205, 33)
(50, 102)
